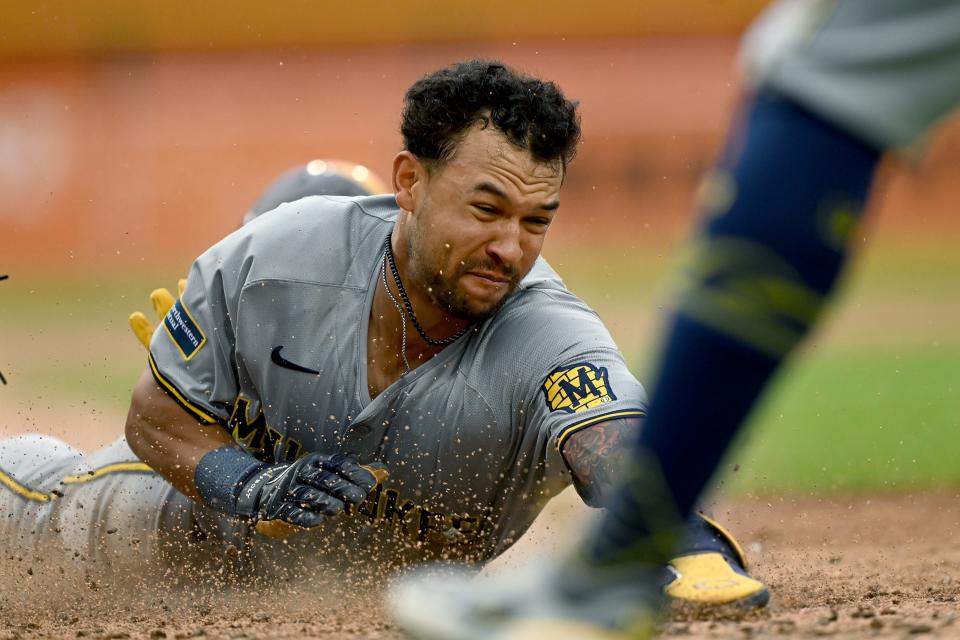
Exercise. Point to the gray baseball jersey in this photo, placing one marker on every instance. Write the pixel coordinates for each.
(269, 340)
(887, 70)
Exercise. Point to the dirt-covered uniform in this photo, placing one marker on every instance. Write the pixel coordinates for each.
(270, 340)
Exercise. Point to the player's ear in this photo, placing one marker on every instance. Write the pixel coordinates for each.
(408, 173)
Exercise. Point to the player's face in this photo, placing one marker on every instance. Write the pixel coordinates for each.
(480, 223)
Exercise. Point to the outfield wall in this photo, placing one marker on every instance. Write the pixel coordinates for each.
(149, 158)
(32, 28)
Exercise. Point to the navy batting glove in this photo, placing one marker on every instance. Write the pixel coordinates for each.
(302, 493)
(306, 491)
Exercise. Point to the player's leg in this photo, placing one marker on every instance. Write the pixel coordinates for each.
(123, 517)
(869, 74)
(104, 509)
(769, 252)
(115, 510)
(31, 467)
(30, 453)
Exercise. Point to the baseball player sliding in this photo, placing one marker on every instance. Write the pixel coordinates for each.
(391, 378)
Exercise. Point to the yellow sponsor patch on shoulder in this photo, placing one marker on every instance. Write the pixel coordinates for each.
(577, 387)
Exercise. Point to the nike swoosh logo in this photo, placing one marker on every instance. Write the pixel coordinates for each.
(279, 360)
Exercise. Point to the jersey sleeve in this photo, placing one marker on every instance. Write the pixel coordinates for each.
(575, 377)
(560, 372)
(193, 350)
(584, 390)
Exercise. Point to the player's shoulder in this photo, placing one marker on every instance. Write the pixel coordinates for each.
(542, 299)
(314, 239)
(543, 330)
(545, 313)
(321, 221)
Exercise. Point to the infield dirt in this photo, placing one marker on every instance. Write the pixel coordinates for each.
(879, 566)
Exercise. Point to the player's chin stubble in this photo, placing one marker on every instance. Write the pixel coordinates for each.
(446, 293)
(444, 290)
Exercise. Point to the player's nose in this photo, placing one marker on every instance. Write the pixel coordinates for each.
(505, 246)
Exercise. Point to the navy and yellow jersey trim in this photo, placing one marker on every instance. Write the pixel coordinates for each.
(589, 422)
(195, 411)
(33, 495)
(118, 467)
(23, 490)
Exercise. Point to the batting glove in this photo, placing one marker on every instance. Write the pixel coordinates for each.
(162, 300)
(305, 492)
(285, 497)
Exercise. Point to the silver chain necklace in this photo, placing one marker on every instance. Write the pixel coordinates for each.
(388, 259)
(403, 317)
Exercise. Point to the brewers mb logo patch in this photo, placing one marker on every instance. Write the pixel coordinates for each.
(577, 387)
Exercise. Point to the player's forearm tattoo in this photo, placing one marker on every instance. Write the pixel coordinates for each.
(598, 455)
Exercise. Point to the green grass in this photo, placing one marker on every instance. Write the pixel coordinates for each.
(65, 337)
(856, 419)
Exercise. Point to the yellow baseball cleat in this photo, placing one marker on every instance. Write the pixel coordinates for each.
(713, 570)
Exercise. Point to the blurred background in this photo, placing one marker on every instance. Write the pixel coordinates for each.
(135, 134)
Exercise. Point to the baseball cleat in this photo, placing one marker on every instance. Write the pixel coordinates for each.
(525, 604)
(567, 602)
(713, 570)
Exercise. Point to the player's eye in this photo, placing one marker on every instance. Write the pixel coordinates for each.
(537, 225)
(486, 208)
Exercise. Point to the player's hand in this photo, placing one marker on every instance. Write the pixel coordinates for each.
(162, 300)
(304, 493)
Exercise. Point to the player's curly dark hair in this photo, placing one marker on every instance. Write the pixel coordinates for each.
(532, 113)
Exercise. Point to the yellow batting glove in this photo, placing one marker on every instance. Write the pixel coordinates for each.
(162, 300)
